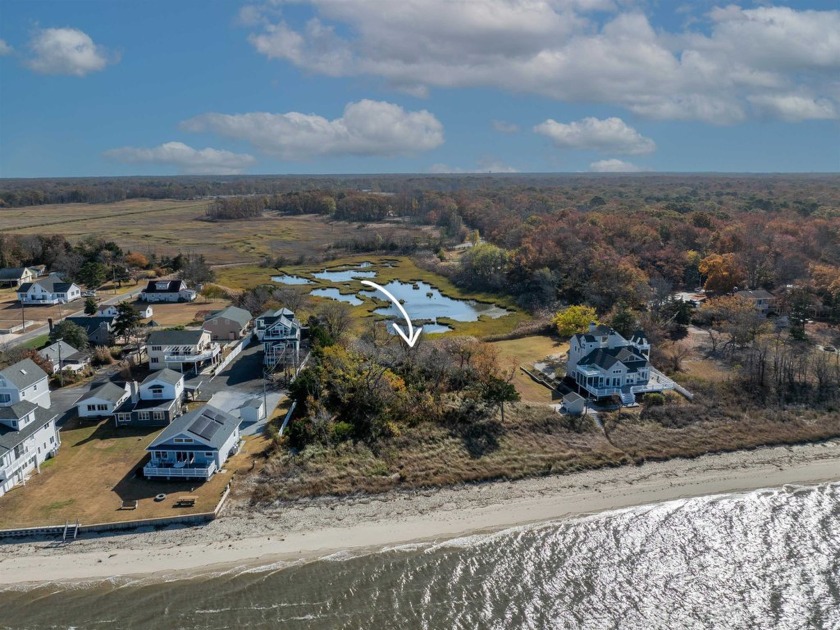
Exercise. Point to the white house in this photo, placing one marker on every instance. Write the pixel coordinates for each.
(182, 350)
(28, 435)
(49, 290)
(167, 291)
(157, 401)
(279, 331)
(194, 446)
(16, 276)
(65, 357)
(112, 310)
(103, 400)
(603, 363)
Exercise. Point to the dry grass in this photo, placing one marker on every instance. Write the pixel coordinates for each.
(93, 473)
(167, 227)
(531, 441)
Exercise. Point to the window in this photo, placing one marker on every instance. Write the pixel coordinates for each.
(5, 398)
(91, 407)
(154, 360)
(158, 415)
(52, 439)
(102, 407)
(156, 348)
(143, 415)
(209, 455)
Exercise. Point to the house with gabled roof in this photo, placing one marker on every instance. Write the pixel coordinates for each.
(50, 290)
(99, 329)
(157, 402)
(112, 310)
(280, 333)
(194, 446)
(182, 350)
(65, 357)
(103, 400)
(603, 363)
(16, 276)
(167, 291)
(229, 323)
(28, 435)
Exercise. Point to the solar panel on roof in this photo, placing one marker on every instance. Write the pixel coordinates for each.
(210, 431)
(199, 426)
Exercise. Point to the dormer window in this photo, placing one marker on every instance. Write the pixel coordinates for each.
(161, 286)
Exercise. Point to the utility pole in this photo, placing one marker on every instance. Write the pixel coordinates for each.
(60, 375)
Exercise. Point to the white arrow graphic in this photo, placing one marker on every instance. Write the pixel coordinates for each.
(412, 336)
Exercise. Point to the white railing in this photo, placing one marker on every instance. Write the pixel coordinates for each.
(204, 472)
(191, 357)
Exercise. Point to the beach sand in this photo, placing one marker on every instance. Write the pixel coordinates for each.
(243, 537)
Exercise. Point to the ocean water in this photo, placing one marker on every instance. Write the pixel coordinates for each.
(768, 559)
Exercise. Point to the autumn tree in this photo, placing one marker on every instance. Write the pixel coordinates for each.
(722, 273)
(574, 319)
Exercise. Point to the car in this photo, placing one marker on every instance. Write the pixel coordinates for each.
(89, 293)
(830, 349)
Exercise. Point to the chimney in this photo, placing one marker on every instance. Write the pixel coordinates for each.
(134, 390)
(592, 327)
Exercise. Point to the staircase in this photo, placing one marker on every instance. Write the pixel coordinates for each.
(627, 397)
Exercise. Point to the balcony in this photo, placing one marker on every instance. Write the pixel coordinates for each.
(176, 472)
(192, 357)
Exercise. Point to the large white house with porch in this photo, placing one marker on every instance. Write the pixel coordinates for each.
(279, 331)
(49, 290)
(602, 363)
(182, 350)
(167, 291)
(28, 435)
(194, 446)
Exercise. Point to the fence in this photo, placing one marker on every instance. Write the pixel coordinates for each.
(243, 343)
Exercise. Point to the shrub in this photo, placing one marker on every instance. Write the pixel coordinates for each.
(654, 399)
(341, 431)
(102, 356)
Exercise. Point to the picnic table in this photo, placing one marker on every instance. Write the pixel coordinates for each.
(187, 500)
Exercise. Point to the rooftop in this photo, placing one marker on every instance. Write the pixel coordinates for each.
(23, 373)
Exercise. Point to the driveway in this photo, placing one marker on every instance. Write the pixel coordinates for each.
(241, 381)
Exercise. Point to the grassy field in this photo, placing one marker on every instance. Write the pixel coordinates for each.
(388, 268)
(524, 352)
(93, 473)
(167, 227)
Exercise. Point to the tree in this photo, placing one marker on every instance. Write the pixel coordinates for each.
(623, 320)
(127, 320)
(485, 266)
(195, 270)
(92, 275)
(736, 317)
(496, 392)
(335, 318)
(574, 319)
(722, 273)
(136, 260)
(90, 306)
(70, 333)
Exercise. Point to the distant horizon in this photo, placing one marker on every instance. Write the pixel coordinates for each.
(587, 174)
(418, 87)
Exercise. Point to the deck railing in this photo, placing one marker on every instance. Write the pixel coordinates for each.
(196, 472)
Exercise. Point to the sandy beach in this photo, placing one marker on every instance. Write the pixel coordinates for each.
(243, 537)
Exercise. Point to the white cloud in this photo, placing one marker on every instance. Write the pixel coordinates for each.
(5, 49)
(614, 166)
(66, 51)
(794, 107)
(572, 51)
(188, 160)
(505, 127)
(611, 135)
(366, 128)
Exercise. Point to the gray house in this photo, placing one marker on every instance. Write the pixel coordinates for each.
(103, 400)
(194, 446)
(65, 357)
(99, 329)
(229, 323)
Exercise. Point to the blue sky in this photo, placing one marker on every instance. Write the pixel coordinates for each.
(97, 87)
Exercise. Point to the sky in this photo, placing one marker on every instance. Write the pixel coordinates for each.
(109, 87)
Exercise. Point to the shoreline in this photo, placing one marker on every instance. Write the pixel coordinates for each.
(307, 530)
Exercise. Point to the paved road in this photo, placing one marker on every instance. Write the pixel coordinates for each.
(36, 332)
